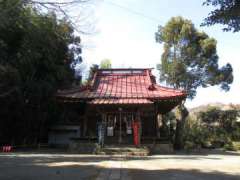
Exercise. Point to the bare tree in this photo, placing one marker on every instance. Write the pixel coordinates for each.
(80, 13)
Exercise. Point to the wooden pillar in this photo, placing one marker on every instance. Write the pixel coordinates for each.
(140, 125)
(120, 125)
(156, 121)
(85, 122)
(85, 119)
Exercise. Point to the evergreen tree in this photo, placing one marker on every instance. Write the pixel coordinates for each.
(227, 13)
(189, 61)
(38, 52)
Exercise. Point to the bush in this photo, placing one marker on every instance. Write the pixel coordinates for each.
(189, 145)
(194, 134)
(232, 146)
(236, 145)
(236, 134)
(207, 144)
(209, 136)
(229, 147)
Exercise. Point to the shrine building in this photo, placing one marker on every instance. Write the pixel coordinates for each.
(117, 98)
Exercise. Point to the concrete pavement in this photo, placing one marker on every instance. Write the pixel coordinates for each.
(35, 166)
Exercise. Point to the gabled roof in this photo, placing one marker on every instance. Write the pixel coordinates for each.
(123, 86)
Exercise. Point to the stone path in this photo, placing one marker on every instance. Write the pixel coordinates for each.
(114, 170)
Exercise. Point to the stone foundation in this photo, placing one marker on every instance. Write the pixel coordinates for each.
(87, 147)
(82, 147)
(161, 148)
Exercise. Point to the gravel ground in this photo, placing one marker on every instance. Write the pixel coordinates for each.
(36, 166)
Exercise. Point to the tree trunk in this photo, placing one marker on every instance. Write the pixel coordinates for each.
(181, 119)
(178, 141)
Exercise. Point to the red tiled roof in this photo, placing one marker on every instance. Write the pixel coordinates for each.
(124, 86)
(121, 101)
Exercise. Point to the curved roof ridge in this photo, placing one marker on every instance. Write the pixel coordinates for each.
(73, 90)
(169, 88)
(119, 69)
(123, 84)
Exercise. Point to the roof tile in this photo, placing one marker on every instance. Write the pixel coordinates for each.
(130, 86)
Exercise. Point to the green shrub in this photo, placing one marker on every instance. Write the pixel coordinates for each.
(229, 147)
(232, 146)
(207, 144)
(236, 134)
(236, 145)
(189, 145)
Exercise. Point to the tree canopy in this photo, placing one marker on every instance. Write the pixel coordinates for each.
(38, 52)
(227, 13)
(106, 64)
(225, 118)
(93, 68)
(190, 59)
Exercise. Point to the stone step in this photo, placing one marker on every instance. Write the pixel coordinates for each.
(125, 150)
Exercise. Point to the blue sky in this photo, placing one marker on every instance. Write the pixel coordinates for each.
(127, 38)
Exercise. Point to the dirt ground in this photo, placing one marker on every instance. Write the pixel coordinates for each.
(43, 166)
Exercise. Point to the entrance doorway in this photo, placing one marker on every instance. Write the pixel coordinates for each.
(119, 127)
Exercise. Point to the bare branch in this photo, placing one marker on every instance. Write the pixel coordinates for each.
(57, 2)
(68, 10)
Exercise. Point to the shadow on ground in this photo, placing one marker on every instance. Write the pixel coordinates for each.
(177, 174)
(22, 166)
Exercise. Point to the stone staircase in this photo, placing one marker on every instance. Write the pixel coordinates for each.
(128, 150)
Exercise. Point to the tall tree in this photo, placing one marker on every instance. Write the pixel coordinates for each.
(227, 13)
(92, 70)
(189, 61)
(37, 57)
(105, 64)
